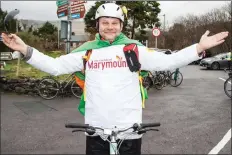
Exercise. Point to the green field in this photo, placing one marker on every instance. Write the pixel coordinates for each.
(26, 70)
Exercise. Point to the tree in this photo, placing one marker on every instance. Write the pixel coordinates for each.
(47, 31)
(47, 28)
(30, 29)
(141, 15)
(188, 30)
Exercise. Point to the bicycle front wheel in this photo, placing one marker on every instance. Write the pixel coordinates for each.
(76, 89)
(48, 88)
(176, 79)
(227, 87)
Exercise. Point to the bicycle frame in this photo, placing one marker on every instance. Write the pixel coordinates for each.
(176, 73)
(66, 79)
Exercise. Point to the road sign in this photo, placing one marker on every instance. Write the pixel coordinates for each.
(76, 15)
(77, 9)
(76, 2)
(6, 55)
(78, 12)
(61, 2)
(62, 10)
(156, 32)
(64, 29)
(62, 14)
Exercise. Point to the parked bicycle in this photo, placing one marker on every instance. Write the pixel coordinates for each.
(153, 80)
(49, 88)
(227, 83)
(111, 135)
(173, 78)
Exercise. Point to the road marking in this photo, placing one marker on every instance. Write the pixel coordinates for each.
(222, 143)
(224, 80)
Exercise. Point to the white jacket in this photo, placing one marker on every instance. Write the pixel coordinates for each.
(112, 91)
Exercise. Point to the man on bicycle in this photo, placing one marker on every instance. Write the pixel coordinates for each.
(113, 98)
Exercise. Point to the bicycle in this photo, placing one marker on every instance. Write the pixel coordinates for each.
(153, 80)
(49, 88)
(173, 78)
(227, 84)
(114, 145)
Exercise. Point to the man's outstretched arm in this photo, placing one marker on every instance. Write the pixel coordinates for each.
(55, 66)
(65, 64)
(159, 61)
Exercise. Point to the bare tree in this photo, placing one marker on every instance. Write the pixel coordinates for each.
(188, 29)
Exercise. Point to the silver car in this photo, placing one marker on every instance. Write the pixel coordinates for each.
(216, 62)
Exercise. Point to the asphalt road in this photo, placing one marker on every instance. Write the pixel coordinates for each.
(194, 118)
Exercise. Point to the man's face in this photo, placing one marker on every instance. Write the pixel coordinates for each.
(109, 28)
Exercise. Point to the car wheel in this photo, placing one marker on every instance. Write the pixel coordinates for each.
(215, 66)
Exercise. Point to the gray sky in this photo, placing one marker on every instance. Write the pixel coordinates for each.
(46, 10)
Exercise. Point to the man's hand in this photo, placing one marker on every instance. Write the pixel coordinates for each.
(14, 42)
(207, 42)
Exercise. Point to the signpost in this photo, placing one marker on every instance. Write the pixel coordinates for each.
(77, 9)
(156, 32)
(73, 9)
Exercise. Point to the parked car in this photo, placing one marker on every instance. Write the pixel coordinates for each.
(166, 51)
(216, 62)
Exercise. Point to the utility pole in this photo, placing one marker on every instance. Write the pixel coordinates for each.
(58, 34)
(18, 62)
(17, 26)
(69, 29)
(164, 30)
(164, 22)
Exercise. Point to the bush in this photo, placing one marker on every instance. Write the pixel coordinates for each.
(32, 40)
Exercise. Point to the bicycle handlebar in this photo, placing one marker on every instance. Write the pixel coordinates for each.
(77, 125)
(146, 125)
(141, 128)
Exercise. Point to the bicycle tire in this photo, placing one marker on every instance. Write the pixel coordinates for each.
(228, 83)
(159, 82)
(44, 89)
(179, 74)
(74, 87)
(165, 79)
(147, 82)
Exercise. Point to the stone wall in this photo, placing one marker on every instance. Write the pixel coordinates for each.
(25, 85)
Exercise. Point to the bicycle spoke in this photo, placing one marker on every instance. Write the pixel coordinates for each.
(48, 88)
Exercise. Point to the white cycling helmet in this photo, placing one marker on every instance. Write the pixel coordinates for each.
(109, 10)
